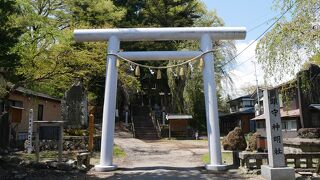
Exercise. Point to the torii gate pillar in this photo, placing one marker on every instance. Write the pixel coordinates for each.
(210, 94)
(206, 36)
(109, 108)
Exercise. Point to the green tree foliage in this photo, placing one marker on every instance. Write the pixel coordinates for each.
(94, 13)
(101, 14)
(187, 91)
(282, 49)
(160, 13)
(316, 59)
(163, 13)
(8, 37)
(44, 49)
(9, 34)
(50, 60)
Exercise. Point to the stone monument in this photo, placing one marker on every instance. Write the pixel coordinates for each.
(276, 170)
(75, 106)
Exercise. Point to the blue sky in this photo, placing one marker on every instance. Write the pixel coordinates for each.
(247, 13)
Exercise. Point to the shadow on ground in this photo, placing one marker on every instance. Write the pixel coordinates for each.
(165, 172)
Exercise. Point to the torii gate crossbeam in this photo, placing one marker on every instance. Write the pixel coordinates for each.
(206, 35)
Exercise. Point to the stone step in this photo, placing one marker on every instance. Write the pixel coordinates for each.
(147, 137)
(147, 124)
(145, 121)
(147, 133)
(144, 118)
(144, 128)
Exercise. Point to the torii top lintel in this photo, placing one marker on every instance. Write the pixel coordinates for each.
(160, 34)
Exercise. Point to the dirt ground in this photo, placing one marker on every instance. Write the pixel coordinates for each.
(163, 159)
(170, 153)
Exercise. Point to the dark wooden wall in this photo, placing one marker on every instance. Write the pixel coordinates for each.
(308, 92)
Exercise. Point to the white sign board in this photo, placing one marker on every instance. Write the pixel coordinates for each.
(30, 130)
(273, 128)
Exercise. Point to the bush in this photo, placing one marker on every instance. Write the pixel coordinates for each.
(234, 141)
(252, 144)
(75, 132)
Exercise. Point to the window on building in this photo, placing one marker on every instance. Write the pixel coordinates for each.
(247, 103)
(260, 124)
(40, 112)
(283, 125)
(15, 103)
(289, 125)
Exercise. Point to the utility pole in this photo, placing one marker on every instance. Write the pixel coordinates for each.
(258, 97)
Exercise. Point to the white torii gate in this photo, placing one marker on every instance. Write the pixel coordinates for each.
(206, 35)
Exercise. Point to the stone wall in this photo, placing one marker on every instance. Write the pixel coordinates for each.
(302, 145)
(70, 143)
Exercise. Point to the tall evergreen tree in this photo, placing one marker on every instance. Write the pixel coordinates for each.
(9, 34)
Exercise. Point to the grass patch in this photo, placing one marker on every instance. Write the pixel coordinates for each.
(42, 154)
(226, 158)
(118, 152)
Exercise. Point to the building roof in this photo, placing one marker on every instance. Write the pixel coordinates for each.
(315, 106)
(34, 93)
(16, 107)
(178, 116)
(246, 111)
(289, 113)
(241, 97)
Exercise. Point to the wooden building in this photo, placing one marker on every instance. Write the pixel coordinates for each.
(299, 103)
(18, 104)
(178, 125)
(241, 111)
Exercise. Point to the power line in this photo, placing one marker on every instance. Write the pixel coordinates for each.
(234, 67)
(259, 25)
(259, 35)
(243, 75)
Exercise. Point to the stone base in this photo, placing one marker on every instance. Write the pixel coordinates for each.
(279, 173)
(214, 167)
(101, 168)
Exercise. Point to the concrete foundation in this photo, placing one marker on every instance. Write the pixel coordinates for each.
(279, 173)
(216, 167)
(101, 168)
